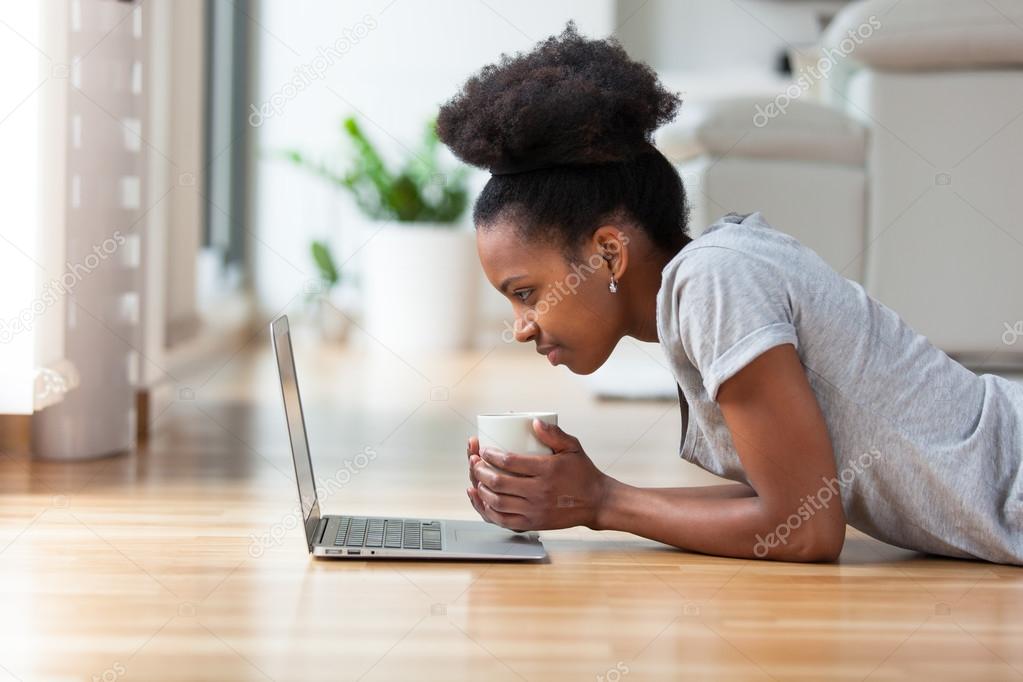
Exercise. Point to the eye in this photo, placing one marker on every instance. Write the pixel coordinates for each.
(519, 294)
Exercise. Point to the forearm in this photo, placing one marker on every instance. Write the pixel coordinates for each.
(727, 490)
(726, 520)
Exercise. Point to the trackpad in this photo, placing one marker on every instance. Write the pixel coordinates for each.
(476, 535)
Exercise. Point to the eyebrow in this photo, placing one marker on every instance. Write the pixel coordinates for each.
(509, 280)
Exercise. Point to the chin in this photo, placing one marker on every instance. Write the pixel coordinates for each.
(588, 366)
(584, 371)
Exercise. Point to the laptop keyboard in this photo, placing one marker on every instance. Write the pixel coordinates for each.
(394, 533)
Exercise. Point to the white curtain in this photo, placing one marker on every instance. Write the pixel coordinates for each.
(92, 147)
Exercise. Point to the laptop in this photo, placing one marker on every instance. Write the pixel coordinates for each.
(381, 537)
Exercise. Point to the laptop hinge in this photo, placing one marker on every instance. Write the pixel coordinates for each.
(321, 528)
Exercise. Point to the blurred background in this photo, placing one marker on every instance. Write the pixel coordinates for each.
(176, 174)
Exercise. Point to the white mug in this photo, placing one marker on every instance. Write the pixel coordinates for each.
(513, 431)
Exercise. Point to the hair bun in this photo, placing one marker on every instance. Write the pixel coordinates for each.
(571, 100)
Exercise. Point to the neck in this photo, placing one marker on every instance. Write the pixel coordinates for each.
(642, 288)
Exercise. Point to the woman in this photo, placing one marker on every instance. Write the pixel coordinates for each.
(821, 404)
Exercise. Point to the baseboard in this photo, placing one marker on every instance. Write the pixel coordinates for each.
(142, 403)
(15, 434)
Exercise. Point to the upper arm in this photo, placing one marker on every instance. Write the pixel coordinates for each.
(782, 440)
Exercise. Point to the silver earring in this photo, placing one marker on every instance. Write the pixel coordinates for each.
(613, 285)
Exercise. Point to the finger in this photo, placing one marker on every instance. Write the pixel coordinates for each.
(485, 512)
(472, 448)
(474, 460)
(514, 522)
(553, 437)
(478, 505)
(507, 504)
(513, 462)
(502, 482)
(476, 502)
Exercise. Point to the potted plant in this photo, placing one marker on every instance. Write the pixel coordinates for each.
(418, 260)
(331, 296)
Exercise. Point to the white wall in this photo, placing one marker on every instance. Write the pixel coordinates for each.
(717, 35)
(21, 139)
(394, 76)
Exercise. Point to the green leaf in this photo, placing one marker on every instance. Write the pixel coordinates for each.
(421, 191)
(325, 262)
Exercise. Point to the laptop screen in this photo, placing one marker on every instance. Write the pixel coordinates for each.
(281, 336)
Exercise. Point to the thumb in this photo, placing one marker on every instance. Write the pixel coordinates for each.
(553, 437)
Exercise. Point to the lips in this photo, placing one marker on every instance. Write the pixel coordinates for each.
(553, 353)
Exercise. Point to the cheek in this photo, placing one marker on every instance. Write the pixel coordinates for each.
(572, 316)
(590, 301)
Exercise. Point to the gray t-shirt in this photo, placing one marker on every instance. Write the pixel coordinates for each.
(927, 453)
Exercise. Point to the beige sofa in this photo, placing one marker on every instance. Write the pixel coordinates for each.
(904, 177)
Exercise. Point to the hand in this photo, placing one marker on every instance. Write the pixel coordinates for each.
(536, 492)
(473, 454)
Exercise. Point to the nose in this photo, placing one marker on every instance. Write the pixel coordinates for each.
(525, 329)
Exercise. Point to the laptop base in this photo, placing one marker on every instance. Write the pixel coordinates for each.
(458, 540)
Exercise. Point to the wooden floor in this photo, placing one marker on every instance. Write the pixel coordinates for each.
(185, 561)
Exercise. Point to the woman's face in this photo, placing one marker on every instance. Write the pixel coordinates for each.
(559, 306)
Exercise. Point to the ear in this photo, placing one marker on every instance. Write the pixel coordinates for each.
(611, 244)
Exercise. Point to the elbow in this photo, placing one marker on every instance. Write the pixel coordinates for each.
(824, 553)
(824, 548)
(819, 540)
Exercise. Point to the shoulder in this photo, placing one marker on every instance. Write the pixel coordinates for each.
(731, 280)
(737, 250)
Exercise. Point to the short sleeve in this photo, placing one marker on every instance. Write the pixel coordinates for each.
(732, 307)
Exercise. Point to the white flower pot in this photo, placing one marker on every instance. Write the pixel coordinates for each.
(333, 311)
(419, 286)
